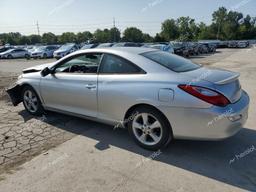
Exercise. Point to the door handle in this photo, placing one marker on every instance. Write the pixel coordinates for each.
(90, 86)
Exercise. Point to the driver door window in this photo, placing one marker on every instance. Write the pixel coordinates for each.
(86, 63)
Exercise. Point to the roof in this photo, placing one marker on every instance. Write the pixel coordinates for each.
(132, 50)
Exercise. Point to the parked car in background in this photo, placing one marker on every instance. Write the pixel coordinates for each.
(3, 49)
(43, 52)
(90, 46)
(196, 48)
(180, 49)
(203, 49)
(242, 44)
(104, 45)
(65, 50)
(150, 92)
(163, 47)
(232, 44)
(15, 53)
(189, 47)
(127, 44)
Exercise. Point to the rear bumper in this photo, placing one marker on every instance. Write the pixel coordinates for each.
(14, 93)
(214, 123)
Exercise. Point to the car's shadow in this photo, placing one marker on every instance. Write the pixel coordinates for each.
(229, 161)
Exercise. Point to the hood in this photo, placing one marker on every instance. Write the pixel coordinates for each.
(60, 51)
(37, 68)
(33, 52)
(224, 81)
(6, 52)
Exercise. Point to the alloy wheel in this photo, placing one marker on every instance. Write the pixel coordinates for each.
(30, 101)
(147, 129)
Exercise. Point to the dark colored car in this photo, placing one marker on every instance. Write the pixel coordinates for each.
(180, 49)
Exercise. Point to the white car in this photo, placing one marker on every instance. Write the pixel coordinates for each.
(65, 50)
(43, 52)
(15, 53)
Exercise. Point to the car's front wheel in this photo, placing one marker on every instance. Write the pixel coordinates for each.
(149, 128)
(31, 101)
(9, 57)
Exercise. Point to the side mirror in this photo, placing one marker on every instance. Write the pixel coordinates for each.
(46, 71)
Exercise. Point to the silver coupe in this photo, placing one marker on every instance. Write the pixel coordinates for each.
(156, 95)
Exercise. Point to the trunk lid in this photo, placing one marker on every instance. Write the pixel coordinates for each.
(224, 81)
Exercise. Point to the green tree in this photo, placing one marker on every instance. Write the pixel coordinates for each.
(12, 38)
(133, 34)
(219, 18)
(170, 30)
(102, 36)
(147, 38)
(186, 26)
(159, 38)
(67, 37)
(84, 36)
(49, 38)
(24, 40)
(115, 35)
(34, 39)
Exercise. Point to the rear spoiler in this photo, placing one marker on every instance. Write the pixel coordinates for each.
(229, 79)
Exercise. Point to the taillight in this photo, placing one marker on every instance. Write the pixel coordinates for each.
(206, 94)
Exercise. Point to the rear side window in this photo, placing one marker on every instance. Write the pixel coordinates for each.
(171, 61)
(113, 64)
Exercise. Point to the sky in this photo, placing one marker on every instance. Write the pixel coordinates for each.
(60, 16)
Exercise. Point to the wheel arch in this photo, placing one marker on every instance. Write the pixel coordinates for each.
(132, 108)
(22, 86)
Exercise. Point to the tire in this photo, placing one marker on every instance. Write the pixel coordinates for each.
(45, 56)
(27, 56)
(9, 57)
(31, 101)
(141, 128)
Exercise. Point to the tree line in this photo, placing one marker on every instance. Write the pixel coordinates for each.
(226, 25)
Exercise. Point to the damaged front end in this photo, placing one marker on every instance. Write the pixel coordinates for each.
(14, 93)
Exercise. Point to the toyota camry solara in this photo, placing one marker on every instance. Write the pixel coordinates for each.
(156, 95)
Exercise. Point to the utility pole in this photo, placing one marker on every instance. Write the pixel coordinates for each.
(114, 26)
(219, 26)
(37, 26)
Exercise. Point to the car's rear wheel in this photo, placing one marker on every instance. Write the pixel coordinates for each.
(44, 56)
(31, 101)
(149, 128)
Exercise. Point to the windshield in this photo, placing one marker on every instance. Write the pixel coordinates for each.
(40, 48)
(172, 62)
(66, 47)
(8, 51)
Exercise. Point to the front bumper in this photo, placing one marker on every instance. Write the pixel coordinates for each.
(214, 123)
(36, 55)
(59, 55)
(3, 56)
(14, 93)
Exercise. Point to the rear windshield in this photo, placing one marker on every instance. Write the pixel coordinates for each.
(171, 61)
